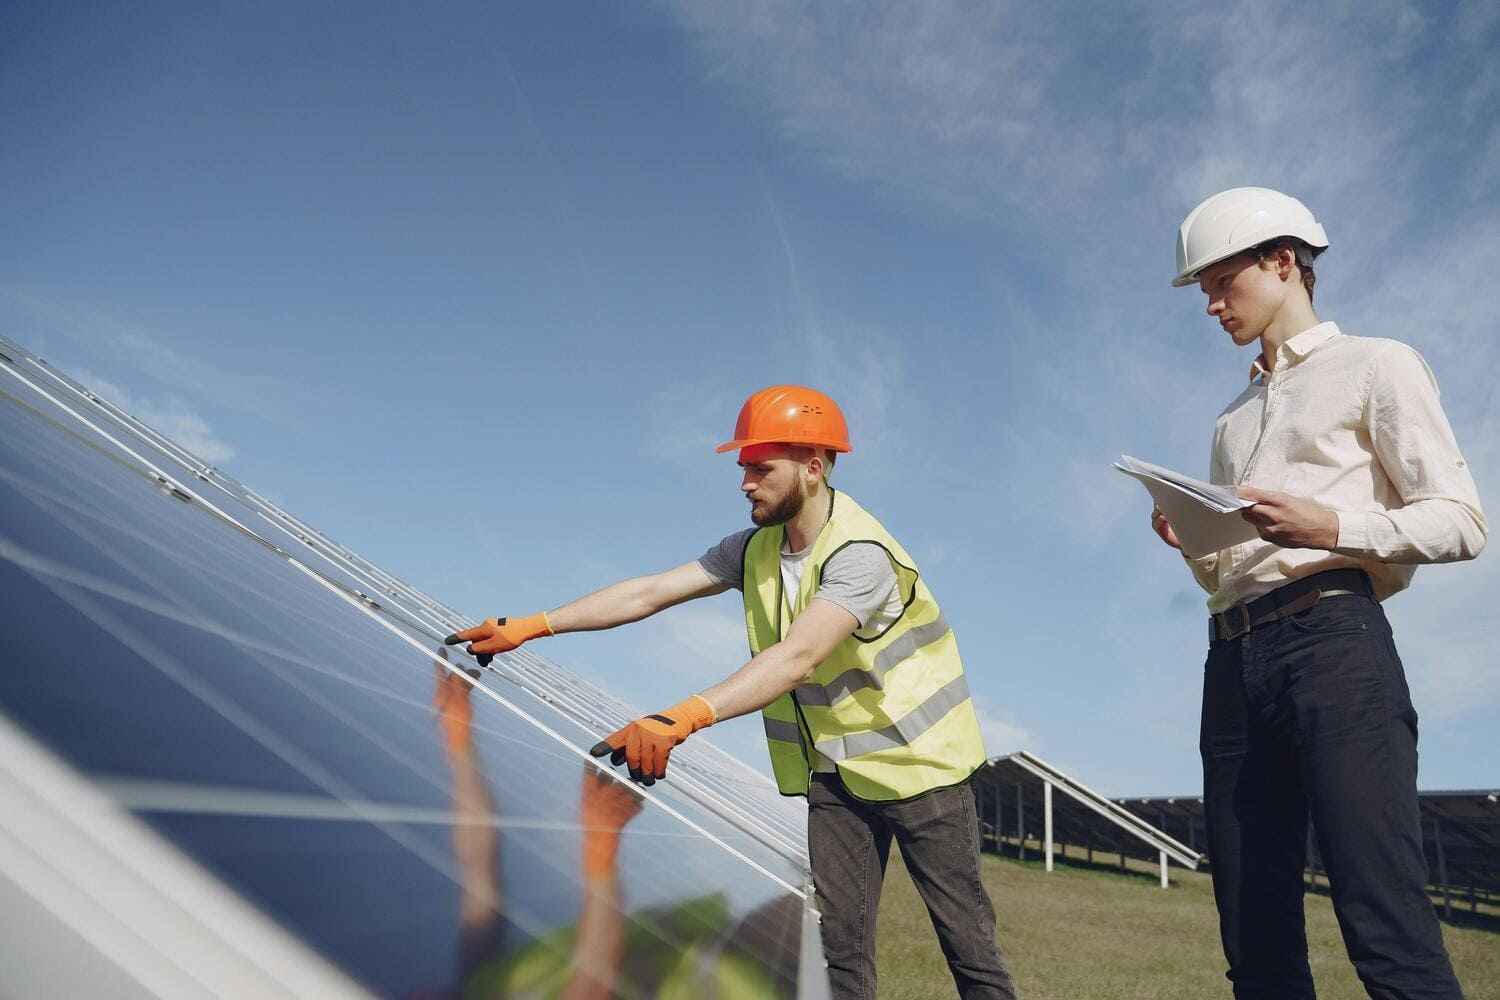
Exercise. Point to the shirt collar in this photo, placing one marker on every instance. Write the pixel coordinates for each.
(1297, 348)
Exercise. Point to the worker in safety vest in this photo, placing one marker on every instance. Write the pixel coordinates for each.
(858, 679)
(1356, 478)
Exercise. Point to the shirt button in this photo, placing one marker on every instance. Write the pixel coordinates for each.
(1460, 463)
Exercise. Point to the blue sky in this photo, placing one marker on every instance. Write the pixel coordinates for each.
(476, 289)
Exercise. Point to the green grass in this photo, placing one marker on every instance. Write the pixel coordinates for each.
(1081, 933)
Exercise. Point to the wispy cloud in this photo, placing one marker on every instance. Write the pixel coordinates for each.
(1001, 733)
(104, 338)
(854, 362)
(696, 641)
(1092, 122)
(172, 416)
(941, 98)
(1087, 138)
(1084, 137)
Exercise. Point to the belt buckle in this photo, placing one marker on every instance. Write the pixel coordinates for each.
(1227, 631)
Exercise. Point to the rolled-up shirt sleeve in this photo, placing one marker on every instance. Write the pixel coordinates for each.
(1205, 569)
(1439, 519)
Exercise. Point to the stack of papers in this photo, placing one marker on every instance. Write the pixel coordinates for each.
(1206, 518)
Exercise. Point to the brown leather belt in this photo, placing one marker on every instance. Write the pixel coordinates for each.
(1287, 600)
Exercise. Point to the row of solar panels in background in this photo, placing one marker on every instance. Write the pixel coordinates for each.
(1460, 833)
(1015, 793)
(199, 675)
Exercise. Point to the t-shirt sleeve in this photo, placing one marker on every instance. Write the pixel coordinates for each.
(725, 562)
(858, 578)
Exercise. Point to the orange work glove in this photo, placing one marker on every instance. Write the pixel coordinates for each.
(500, 635)
(606, 805)
(646, 743)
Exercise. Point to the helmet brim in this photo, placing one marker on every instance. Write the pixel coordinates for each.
(748, 442)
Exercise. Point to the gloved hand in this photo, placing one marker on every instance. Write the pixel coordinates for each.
(646, 743)
(500, 635)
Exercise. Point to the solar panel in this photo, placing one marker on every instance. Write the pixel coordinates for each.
(1016, 801)
(271, 720)
(1460, 836)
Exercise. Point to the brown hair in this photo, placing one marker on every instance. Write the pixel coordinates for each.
(828, 455)
(1302, 255)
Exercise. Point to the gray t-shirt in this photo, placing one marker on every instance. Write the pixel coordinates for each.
(858, 578)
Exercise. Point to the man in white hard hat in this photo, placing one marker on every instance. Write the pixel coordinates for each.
(1356, 477)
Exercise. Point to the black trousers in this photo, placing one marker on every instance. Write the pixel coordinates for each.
(1311, 716)
(849, 842)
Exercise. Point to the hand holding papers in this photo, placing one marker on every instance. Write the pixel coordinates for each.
(1206, 518)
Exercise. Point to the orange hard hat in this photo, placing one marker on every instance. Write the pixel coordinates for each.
(790, 414)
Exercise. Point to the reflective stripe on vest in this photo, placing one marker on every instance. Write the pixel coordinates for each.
(905, 730)
(891, 711)
(856, 679)
(784, 732)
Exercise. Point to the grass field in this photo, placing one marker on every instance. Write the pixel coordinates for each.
(1082, 932)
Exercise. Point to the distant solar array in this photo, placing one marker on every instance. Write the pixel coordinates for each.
(1460, 835)
(235, 759)
(1021, 797)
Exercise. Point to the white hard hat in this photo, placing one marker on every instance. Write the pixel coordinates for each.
(1233, 221)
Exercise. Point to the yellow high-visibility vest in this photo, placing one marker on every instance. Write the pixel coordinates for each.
(891, 711)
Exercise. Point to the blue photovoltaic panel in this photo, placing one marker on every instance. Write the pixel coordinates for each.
(725, 786)
(207, 665)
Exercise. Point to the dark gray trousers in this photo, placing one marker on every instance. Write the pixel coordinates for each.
(849, 842)
(1311, 716)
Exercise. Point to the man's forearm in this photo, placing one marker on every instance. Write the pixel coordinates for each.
(618, 604)
(634, 599)
(768, 676)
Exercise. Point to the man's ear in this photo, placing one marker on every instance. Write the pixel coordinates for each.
(817, 469)
(1286, 262)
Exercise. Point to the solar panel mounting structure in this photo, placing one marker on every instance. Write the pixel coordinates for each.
(236, 760)
(1015, 799)
(1460, 838)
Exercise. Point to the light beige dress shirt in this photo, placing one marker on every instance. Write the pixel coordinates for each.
(1353, 423)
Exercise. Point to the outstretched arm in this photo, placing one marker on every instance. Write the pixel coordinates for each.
(779, 668)
(646, 744)
(626, 601)
(634, 599)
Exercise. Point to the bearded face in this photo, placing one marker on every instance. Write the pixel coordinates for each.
(775, 481)
(773, 508)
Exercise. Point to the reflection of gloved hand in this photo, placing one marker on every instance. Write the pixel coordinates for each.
(605, 806)
(455, 714)
(646, 743)
(500, 635)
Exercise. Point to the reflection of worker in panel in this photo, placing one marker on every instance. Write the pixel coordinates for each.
(686, 949)
(857, 676)
(476, 835)
(1356, 477)
(588, 969)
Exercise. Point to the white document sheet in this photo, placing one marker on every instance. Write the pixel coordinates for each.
(1206, 518)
